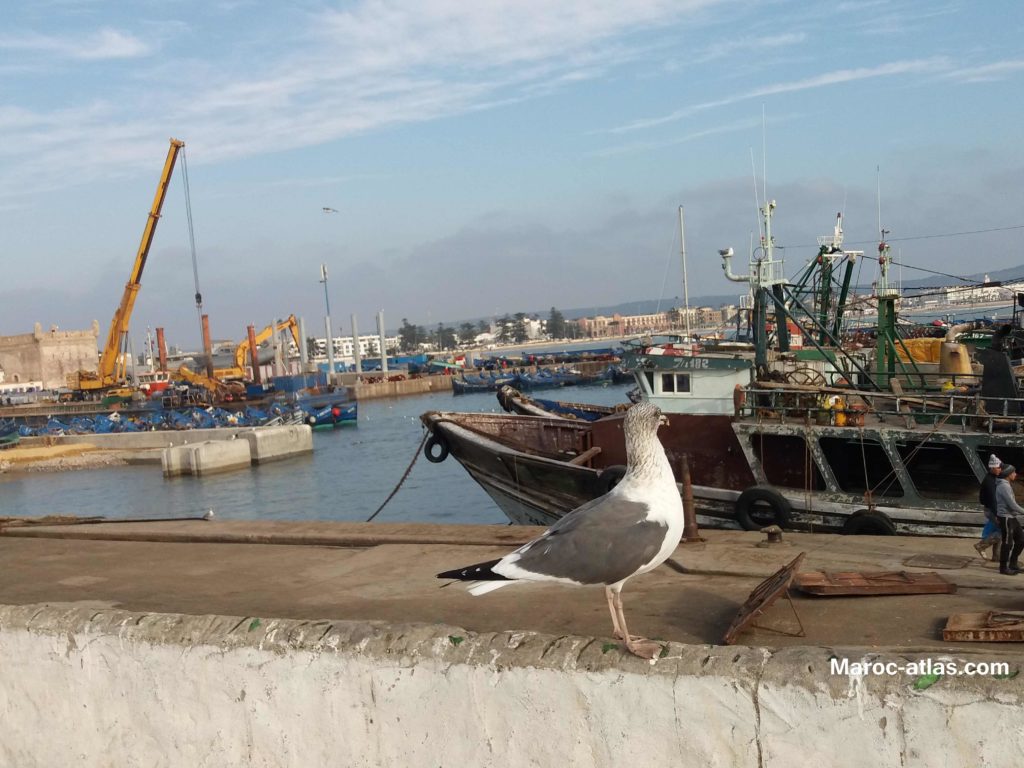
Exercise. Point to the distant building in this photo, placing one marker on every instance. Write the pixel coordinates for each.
(48, 357)
(344, 348)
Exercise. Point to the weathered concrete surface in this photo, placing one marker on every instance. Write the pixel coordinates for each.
(386, 572)
(130, 441)
(276, 443)
(134, 689)
(206, 458)
(332, 644)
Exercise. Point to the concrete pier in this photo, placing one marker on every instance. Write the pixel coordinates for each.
(238, 451)
(276, 443)
(206, 458)
(333, 644)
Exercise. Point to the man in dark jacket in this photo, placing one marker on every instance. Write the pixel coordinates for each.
(1009, 514)
(990, 535)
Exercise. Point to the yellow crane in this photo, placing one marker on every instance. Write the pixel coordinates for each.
(242, 350)
(113, 364)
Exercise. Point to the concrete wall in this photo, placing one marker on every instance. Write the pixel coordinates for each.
(48, 356)
(98, 687)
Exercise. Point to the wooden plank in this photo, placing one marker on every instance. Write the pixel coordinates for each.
(991, 627)
(764, 594)
(872, 583)
(586, 456)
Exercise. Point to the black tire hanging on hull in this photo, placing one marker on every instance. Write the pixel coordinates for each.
(759, 507)
(436, 441)
(867, 522)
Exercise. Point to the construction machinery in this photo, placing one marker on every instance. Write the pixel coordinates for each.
(238, 370)
(113, 361)
(221, 391)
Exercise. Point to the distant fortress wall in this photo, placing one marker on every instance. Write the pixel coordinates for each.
(48, 356)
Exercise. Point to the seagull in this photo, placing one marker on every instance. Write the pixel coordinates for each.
(630, 530)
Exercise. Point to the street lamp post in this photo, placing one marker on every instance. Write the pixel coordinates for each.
(327, 321)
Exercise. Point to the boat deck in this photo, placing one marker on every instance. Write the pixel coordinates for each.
(385, 572)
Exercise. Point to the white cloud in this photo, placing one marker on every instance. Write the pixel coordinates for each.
(919, 66)
(103, 44)
(998, 70)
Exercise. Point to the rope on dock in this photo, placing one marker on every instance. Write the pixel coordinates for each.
(405, 475)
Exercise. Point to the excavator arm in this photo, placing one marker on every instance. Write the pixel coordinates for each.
(112, 362)
(242, 350)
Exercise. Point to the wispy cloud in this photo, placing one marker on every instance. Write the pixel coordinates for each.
(644, 146)
(103, 44)
(919, 66)
(372, 65)
(998, 70)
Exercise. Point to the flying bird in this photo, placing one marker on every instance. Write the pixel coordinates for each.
(630, 530)
(330, 210)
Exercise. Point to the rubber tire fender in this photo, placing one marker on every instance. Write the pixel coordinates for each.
(610, 477)
(866, 522)
(781, 508)
(436, 441)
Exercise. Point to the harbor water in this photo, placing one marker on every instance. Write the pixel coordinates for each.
(349, 474)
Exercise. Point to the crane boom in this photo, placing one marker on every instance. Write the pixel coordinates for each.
(112, 363)
(242, 350)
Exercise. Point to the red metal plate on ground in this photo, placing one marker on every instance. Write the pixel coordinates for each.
(991, 627)
(764, 594)
(872, 583)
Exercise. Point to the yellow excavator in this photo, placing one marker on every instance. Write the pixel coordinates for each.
(219, 390)
(238, 370)
(113, 362)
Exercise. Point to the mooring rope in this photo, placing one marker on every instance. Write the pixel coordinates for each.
(405, 476)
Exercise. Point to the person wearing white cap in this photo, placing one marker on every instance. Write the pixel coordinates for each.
(1009, 512)
(990, 535)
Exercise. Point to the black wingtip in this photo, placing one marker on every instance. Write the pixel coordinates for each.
(477, 572)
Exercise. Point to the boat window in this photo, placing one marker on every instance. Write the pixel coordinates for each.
(675, 382)
(649, 375)
(786, 462)
(1007, 455)
(861, 465)
(939, 470)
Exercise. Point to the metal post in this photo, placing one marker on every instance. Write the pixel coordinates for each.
(303, 352)
(690, 532)
(161, 346)
(383, 343)
(278, 355)
(207, 346)
(356, 353)
(327, 322)
(254, 356)
(686, 287)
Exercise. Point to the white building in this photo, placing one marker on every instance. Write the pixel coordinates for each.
(344, 348)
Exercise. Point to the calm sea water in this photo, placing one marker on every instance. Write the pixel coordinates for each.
(350, 473)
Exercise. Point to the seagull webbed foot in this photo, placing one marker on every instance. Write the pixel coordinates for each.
(645, 649)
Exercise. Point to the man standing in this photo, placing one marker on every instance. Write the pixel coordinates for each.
(990, 535)
(1009, 511)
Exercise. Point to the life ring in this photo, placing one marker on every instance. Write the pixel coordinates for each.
(759, 507)
(436, 441)
(869, 522)
(610, 477)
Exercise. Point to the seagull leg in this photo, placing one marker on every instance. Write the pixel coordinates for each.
(616, 629)
(638, 646)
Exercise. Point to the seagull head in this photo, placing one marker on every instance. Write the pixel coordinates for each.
(643, 448)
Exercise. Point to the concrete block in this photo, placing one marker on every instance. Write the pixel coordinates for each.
(218, 456)
(176, 461)
(274, 443)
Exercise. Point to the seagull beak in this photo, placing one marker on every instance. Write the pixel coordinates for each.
(663, 420)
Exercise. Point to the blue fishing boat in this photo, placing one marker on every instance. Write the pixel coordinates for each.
(9, 435)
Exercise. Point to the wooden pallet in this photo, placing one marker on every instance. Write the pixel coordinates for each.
(991, 627)
(872, 583)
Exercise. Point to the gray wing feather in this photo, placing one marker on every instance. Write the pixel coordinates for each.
(601, 542)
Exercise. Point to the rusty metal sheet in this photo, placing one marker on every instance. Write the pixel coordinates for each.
(991, 627)
(944, 562)
(764, 594)
(872, 583)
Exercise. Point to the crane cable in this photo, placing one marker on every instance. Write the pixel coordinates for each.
(192, 243)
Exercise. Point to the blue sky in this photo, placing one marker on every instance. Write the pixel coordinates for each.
(486, 157)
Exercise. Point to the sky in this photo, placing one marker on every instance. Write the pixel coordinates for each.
(487, 157)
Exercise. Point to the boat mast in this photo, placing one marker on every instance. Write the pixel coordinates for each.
(686, 288)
